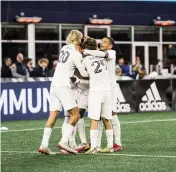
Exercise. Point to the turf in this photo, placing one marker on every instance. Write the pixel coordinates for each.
(149, 146)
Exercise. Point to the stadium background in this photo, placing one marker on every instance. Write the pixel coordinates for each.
(148, 135)
(132, 30)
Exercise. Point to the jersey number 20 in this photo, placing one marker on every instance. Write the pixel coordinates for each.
(64, 55)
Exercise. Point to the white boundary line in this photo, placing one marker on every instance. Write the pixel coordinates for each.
(123, 123)
(108, 154)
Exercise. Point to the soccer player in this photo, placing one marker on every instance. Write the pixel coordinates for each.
(106, 46)
(81, 94)
(83, 90)
(99, 101)
(61, 93)
(71, 140)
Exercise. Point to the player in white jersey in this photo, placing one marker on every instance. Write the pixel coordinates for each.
(61, 93)
(72, 142)
(99, 100)
(81, 94)
(83, 90)
(107, 45)
(80, 86)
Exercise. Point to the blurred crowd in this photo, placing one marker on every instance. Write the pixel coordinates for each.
(24, 68)
(136, 72)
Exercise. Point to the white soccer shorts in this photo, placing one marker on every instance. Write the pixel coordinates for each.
(99, 105)
(83, 99)
(62, 97)
(75, 92)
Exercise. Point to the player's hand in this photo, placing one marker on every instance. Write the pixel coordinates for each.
(75, 79)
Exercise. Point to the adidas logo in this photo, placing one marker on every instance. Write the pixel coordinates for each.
(122, 106)
(152, 100)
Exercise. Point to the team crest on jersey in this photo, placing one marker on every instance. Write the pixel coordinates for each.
(151, 101)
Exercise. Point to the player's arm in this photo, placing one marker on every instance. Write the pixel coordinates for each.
(97, 53)
(76, 80)
(80, 66)
(83, 81)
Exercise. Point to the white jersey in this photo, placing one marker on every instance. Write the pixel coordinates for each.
(111, 64)
(69, 59)
(98, 74)
(83, 87)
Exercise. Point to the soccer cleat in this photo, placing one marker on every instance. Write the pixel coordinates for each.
(92, 151)
(46, 151)
(83, 148)
(64, 152)
(86, 147)
(107, 150)
(66, 147)
(117, 147)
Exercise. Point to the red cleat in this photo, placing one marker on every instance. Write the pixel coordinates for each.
(83, 148)
(117, 147)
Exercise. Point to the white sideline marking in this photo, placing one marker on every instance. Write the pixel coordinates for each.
(108, 154)
(123, 123)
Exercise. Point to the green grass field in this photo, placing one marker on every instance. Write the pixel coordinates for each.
(149, 141)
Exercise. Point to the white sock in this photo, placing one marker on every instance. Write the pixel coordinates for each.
(100, 129)
(81, 130)
(46, 137)
(68, 129)
(116, 130)
(72, 142)
(63, 125)
(93, 138)
(109, 136)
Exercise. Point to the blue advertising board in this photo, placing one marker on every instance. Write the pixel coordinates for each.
(30, 100)
(25, 100)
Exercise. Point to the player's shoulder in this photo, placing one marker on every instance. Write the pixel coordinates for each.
(69, 48)
(111, 52)
(88, 58)
(65, 47)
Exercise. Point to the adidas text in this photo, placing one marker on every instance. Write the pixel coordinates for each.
(123, 107)
(152, 106)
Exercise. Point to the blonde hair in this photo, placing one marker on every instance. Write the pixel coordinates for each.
(74, 37)
(43, 60)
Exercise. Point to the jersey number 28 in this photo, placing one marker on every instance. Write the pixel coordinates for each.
(64, 55)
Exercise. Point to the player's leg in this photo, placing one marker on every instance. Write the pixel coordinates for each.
(81, 127)
(72, 142)
(55, 108)
(47, 133)
(65, 122)
(82, 104)
(117, 132)
(115, 121)
(100, 130)
(106, 117)
(69, 104)
(94, 109)
(93, 136)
